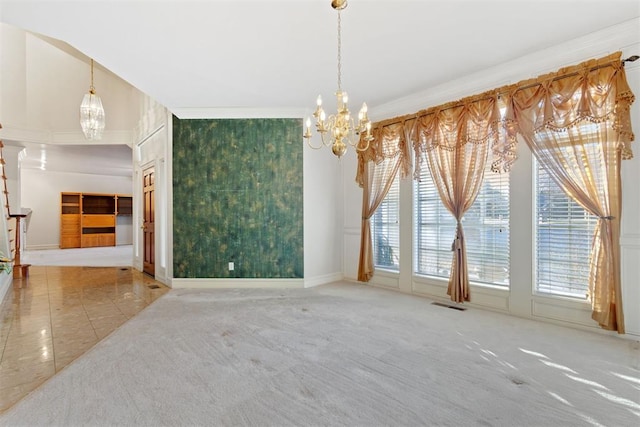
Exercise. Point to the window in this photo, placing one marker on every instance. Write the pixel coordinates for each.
(486, 230)
(435, 229)
(385, 230)
(563, 235)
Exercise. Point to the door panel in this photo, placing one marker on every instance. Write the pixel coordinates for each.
(148, 224)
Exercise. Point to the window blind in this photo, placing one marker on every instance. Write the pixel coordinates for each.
(385, 230)
(563, 235)
(486, 229)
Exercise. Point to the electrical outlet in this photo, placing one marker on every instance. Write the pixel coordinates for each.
(231, 266)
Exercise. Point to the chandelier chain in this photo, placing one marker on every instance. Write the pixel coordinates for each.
(92, 88)
(339, 53)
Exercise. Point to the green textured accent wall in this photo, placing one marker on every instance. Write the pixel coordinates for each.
(237, 197)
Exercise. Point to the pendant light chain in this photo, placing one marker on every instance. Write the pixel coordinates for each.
(92, 89)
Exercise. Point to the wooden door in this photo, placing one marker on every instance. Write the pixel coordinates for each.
(148, 226)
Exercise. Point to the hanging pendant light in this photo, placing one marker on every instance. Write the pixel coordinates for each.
(340, 127)
(92, 118)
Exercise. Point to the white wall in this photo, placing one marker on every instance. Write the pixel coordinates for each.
(13, 78)
(41, 193)
(352, 209)
(519, 300)
(323, 214)
(12, 157)
(630, 227)
(124, 230)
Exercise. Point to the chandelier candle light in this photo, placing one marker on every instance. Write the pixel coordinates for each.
(341, 127)
(92, 113)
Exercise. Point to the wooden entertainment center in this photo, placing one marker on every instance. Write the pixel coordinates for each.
(89, 219)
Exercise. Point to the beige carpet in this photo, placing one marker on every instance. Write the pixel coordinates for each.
(340, 354)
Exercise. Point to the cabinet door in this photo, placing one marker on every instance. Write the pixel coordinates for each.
(98, 221)
(70, 224)
(98, 239)
(69, 231)
(107, 239)
(70, 241)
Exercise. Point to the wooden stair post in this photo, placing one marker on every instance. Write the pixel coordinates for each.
(19, 269)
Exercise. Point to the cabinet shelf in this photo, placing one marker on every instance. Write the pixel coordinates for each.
(98, 204)
(124, 205)
(70, 203)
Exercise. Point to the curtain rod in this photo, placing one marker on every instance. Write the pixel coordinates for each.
(499, 91)
(564, 76)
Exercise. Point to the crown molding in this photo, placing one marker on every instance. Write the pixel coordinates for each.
(238, 113)
(114, 137)
(10, 132)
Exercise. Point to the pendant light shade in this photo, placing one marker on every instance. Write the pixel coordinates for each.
(92, 118)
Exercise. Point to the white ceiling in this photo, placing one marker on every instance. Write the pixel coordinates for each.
(225, 54)
(92, 158)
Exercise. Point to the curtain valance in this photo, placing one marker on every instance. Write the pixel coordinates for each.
(473, 120)
(580, 92)
(595, 91)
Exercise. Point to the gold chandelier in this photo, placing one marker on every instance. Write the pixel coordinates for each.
(92, 118)
(340, 127)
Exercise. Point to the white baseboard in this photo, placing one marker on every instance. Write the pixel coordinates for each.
(310, 282)
(236, 283)
(41, 247)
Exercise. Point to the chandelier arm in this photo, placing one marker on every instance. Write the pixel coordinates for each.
(364, 148)
(328, 128)
(325, 143)
(312, 147)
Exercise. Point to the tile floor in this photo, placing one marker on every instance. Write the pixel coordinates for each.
(57, 314)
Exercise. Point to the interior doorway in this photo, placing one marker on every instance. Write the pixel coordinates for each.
(148, 222)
